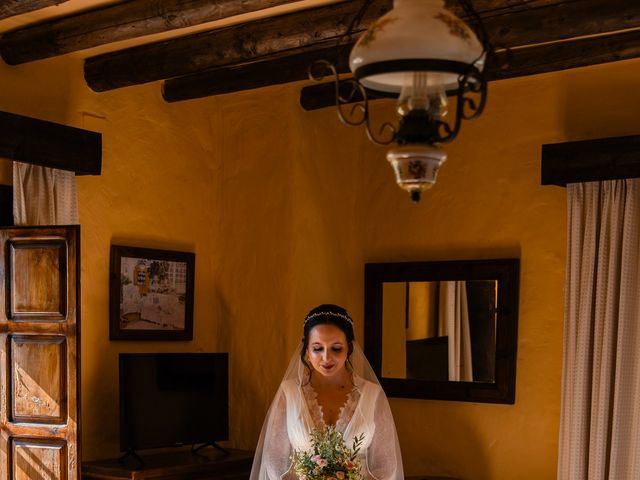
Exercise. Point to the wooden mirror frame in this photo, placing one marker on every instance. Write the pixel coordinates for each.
(504, 271)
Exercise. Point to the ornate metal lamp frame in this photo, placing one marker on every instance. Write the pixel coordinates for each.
(353, 108)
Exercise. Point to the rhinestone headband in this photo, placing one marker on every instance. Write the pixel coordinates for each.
(328, 314)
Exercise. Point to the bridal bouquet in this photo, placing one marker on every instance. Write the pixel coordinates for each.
(329, 457)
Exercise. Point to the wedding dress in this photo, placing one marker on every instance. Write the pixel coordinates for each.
(295, 413)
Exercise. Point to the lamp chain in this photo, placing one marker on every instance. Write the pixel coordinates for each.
(479, 26)
(356, 20)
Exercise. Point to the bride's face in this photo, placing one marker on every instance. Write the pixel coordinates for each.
(328, 349)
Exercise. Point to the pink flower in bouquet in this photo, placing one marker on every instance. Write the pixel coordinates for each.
(311, 465)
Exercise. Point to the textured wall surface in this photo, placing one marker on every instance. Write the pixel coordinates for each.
(283, 208)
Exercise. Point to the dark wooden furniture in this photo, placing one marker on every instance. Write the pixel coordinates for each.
(186, 465)
(422, 477)
(182, 465)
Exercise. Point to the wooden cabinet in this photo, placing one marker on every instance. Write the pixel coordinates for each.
(184, 465)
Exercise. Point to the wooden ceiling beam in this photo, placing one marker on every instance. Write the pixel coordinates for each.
(239, 44)
(283, 67)
(12, 8)
(113, 23)
(526, 61)
(226, 46)
(561, 21)
(133, 19)
(571, 54)
(491, 7)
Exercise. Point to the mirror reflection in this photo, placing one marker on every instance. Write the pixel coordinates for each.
(439, 330)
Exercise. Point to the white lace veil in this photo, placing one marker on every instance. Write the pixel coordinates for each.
(286, 422)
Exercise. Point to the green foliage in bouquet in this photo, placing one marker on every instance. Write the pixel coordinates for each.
(329, 457)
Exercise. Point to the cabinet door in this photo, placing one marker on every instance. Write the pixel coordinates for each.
(39, 351)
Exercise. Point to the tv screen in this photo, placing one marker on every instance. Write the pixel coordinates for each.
(172, 399)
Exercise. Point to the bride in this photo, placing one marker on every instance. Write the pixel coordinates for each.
(328, 383)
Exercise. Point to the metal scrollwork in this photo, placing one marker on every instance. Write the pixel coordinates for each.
(471, 98)
(445, 132)
(379, 138)
(352, 102)
(473, 83)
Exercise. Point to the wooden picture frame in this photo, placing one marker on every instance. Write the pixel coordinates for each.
(505, 272)
(150, 294)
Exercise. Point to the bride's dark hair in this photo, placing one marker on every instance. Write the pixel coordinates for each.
(327, 314)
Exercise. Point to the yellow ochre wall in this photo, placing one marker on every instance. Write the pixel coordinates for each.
(283, 208)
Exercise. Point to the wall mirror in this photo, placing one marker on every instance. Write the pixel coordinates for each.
(444, 330)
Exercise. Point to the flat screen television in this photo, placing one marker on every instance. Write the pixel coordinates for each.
(173, 399)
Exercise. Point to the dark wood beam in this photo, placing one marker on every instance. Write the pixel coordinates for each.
(526, 61)
(226, 46)
(570, 54)
(50, 144)
(133, 19)
(17, 7)
(591, 160)
(561, 21)
(311, 28)
(497, 7)
(291, 66)
(283, 67)
(117, 22)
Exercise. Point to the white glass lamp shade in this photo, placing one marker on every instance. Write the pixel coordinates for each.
(415, 30)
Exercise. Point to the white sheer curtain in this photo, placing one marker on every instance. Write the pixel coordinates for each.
(600, 413)
(454, 321)
(43, 196)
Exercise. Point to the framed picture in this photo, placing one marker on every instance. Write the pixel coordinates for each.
(150, 294)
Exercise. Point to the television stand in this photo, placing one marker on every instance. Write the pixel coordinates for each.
(136, 457)
(210, 444)
(180, 465)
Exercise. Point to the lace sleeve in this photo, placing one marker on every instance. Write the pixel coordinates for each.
(384, 461)
(272, 458)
